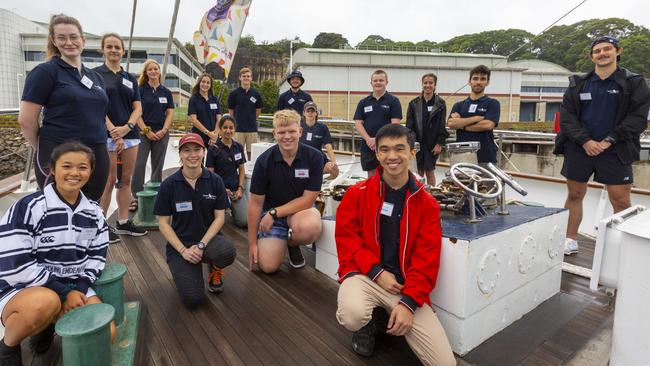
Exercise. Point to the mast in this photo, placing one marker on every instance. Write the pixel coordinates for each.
(169, 40)
(128, 55)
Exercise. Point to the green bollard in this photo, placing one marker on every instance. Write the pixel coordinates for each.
(152, 186)
(145, 216)
(86, 336)
(110, 288)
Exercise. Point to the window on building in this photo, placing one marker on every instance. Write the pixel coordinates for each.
(91, 56)
(159, 58)
(185, 67)
(185, 86)
(553, 89)
(530, 89)
(171, 81)
(34, 56)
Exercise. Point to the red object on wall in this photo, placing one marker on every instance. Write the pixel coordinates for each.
(556, 129)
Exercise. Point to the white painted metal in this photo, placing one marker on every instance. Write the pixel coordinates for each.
(630, 345)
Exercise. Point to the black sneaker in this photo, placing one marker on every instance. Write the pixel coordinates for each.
(10, 356)
(129, 229)
(295, 257)
(363, 340)
(215, 280)
(42, 341)
(112, 236)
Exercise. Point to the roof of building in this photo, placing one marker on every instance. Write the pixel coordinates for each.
(540, 66)
(400, 53)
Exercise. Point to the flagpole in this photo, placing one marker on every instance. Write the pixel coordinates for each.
(128, 55)
(169, 42)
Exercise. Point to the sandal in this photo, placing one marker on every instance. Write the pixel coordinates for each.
(133, 206)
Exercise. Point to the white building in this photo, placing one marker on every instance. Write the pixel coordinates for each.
(338, 78)
(23, 47)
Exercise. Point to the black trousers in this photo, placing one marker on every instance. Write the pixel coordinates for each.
(188, 277)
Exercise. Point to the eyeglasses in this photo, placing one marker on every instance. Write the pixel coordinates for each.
(74, 38)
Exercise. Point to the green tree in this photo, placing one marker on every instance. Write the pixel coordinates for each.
(221, 91)
(499, 42)
(636, 53)
(329, 40)
(427, 45)
(375, 41)
(270, 93)
(190, 48)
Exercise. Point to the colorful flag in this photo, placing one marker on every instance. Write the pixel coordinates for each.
(219, 32)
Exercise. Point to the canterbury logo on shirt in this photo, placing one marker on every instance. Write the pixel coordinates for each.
(47, 239)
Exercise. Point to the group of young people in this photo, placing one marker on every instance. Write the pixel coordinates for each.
(387, 232)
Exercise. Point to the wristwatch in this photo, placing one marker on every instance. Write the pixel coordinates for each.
(610, 139)
(201, 245)
(274, 213)
(131, 125)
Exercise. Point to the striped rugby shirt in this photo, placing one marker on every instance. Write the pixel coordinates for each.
(44, 242)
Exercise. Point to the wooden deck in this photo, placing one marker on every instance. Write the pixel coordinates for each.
(288, 319)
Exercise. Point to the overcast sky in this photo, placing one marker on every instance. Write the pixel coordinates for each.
(272, 20)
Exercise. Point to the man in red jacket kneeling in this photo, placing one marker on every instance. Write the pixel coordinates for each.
(388, 240)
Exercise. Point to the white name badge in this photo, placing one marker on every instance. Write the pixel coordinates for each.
(302, 173)
(252, 99)
(127, 83)
(429, 108)
(472, 108)
(87, 82)
(213, 106)
(162, 100)
(238, 156)
(183, 206)
(585, 96)
(387, 209)
(309, 135)
(367, 109)
(290, 101)
(88, 233)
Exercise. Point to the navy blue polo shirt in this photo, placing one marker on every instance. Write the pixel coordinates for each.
(74, 106)
(491, 110)
(191, 209)
(244, 103)
(155, 104)
(206, 112)
(226, 161)
(376, 113)
(315, 136)
(281, 183)
(295, 101)
(599, 105)
(122, 90)
(389, 221)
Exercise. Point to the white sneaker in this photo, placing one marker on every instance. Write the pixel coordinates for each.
(570, 246)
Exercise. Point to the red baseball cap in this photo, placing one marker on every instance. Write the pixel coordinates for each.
(191, 137)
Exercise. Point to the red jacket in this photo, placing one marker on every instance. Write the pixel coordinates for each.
(357, 235)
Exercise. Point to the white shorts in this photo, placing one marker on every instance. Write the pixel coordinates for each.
(5, 300)
(128, 143)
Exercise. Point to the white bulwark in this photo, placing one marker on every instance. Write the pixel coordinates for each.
(23, 47)
(338, 78)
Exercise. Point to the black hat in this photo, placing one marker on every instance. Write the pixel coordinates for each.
(310, 105)
(296, 74)
(606, 39)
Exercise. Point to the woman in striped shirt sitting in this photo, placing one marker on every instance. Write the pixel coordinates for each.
(54, 245)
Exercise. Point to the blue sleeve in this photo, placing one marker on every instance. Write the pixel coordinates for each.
(359, 112)
(259, 179)
(456, 108)
(163, 205)
(327, 137)
(39, 84)
(232, 100)
(259, 103)
(396, 109)
(493, 112)
(308, 97)
(222, 197)
(315, 172)
(170, 99)
(281, 103)
(211, 156)
(191, 106)
(136, 90)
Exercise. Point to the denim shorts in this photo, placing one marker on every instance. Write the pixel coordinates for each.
(279, 230)
(128, 143)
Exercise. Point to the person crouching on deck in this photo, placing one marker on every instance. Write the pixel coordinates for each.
(388, 240)
(191, 209)
(285, 183)
(47, 268)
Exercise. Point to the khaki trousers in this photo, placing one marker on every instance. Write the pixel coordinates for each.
(246, 139)
(359, 295)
